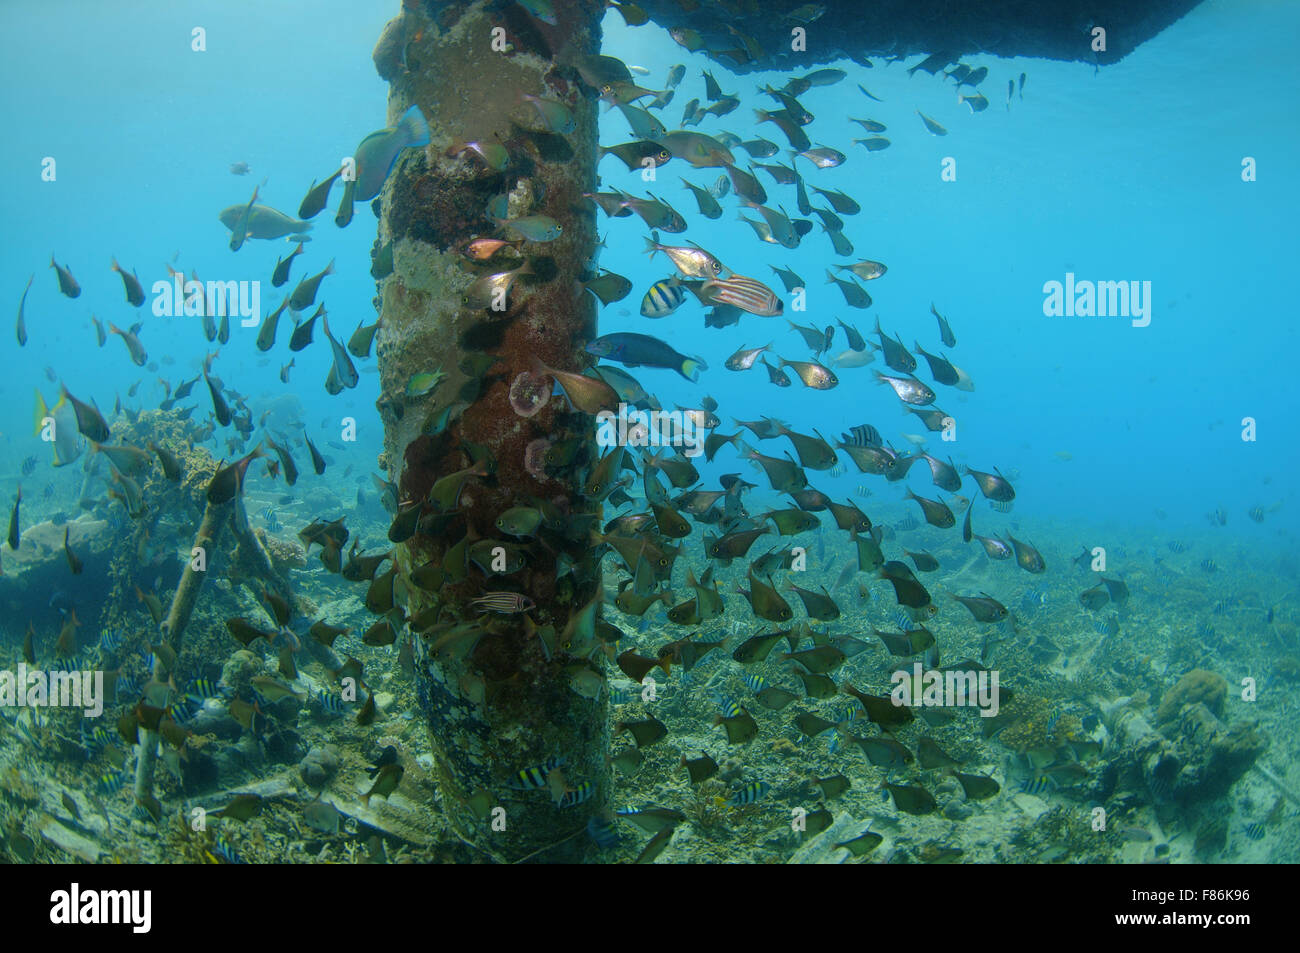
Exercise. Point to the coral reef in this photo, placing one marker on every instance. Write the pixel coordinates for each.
(1198, 686)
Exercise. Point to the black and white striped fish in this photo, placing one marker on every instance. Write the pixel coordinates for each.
(863, 435)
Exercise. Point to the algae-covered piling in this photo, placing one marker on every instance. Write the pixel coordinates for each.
(499, 701)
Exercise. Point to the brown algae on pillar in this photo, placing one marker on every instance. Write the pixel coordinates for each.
(496, 694)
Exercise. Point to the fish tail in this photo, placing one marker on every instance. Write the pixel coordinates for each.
(414, 126)
(691, 368)
(42, 411)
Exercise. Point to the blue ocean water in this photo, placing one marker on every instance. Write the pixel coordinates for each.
(1116, 436)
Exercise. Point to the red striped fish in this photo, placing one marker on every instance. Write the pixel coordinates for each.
(747, 294)
(509, 603)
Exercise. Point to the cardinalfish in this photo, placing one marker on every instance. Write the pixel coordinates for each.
(507, 603)
(747, 294)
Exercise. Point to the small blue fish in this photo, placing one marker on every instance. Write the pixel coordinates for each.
(755, 683)
(1255, 831)
(110, 640)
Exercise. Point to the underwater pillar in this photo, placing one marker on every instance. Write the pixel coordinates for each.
(172, 634)
(499, 701)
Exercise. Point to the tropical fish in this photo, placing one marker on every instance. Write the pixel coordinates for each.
(67, 443)
(691, 261)
(262, 221)
(933, 127)
(67, 284)
(636, 350)
(132, 341)
(855, 296)
(747, 294)
(304, 295)
(377, 153)
(663, 298)
(21, 327)
(131, 283)
(814, 375)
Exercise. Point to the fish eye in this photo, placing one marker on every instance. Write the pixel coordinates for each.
(663, 560)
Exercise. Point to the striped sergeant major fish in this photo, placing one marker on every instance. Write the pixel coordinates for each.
(663, 298)
(863, 435)
(201, 689)
(97, 737)
(727, 706)
(111, 782)
(578, 795)
(184, 708)
(330, 703)
(534, 778)
(1036, 785)
(749, 794)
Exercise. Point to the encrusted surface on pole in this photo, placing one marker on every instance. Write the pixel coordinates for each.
(496, 694)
